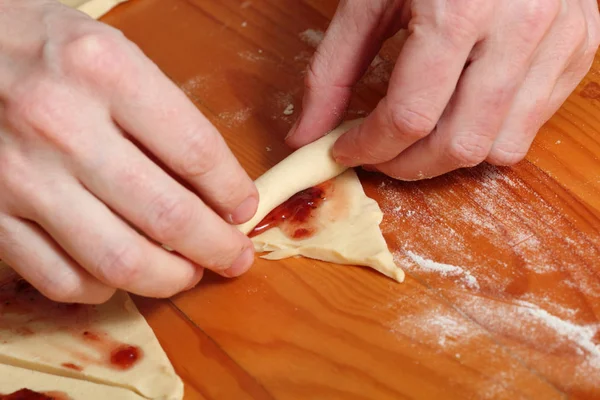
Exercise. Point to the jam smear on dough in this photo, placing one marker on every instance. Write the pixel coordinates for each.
(27, 394)
(295, 217)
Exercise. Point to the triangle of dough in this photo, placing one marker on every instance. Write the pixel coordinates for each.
(78, 341)
(347, 232)
(13, 379)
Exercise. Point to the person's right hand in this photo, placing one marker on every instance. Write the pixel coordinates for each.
(83, 209)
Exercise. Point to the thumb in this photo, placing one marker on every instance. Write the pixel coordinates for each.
(352, 40)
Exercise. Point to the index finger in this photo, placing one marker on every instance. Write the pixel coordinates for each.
(149, 107)
(421, 85)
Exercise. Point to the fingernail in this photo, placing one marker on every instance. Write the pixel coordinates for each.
(198, 274)
(241, 265)
(244, 211)
(344, 161)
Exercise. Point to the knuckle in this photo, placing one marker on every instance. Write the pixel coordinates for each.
(38, 103)
(410, 122)
(468, 152)
(16, 180)
(121, 266)
(537, 15)
(170, 218)
(98, 55)
(463, 24)
(200, 155)
(498, 93)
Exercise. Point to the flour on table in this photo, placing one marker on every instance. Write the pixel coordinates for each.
(445, 270)
(251, 56)
(312, 37)
(236, 118)
(289, 110)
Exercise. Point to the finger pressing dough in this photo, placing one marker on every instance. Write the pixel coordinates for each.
(93, 8)
(346, 224)
(110, 344)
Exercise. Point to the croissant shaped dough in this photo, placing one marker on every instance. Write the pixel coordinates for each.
(348, 225)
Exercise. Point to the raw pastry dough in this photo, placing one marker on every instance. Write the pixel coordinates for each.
(93, 8)
(348, 232)
(348, 224)
(13, 379)
(306, 167)
(31, 337)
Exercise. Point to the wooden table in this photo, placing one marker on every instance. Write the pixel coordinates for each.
(502, 297)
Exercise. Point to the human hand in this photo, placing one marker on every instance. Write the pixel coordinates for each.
(474, 81)
(83, 114)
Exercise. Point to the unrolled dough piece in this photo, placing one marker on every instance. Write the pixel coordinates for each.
(347, 224)
(93, 8)
(81, 341)
(13, 379)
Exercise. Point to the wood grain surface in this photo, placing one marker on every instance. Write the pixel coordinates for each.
(502, 296)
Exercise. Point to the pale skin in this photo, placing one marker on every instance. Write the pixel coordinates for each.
(102, 158)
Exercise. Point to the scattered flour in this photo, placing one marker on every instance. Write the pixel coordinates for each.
(439, 327)
(445, 270)
(312, 37)
(251, 56)
(517, 242)
(539, 331)
(303, 57)
(234, 119)
(289, 110)
(582, 336)
(194, 87)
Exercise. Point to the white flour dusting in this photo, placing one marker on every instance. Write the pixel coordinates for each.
(194, 87)
(441, 328)
(444, 269)
(289, 110)
(537, 332)
(535, 272)
(582, 336)
(234, 119)
(251, 56)
(312, 37)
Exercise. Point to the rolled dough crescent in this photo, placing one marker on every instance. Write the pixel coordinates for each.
(306, 167)
(348, 223)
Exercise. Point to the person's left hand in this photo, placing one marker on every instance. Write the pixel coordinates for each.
(474, 81)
